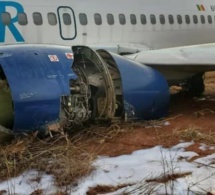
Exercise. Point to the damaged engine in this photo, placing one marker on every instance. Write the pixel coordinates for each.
(48, 84)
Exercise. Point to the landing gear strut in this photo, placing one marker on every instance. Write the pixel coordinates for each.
(194, 86)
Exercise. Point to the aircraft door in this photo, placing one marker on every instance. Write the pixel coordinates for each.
(67, 23)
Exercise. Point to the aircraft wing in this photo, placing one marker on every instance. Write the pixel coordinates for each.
(121, 48)
(179, 63)
(187, 55)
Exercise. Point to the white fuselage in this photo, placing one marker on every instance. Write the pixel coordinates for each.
(109, 23)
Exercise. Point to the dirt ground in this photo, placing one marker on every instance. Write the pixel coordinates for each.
(189, 119)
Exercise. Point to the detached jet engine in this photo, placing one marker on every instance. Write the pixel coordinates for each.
(44, 84)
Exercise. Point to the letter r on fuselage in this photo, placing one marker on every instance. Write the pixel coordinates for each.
(12, 28)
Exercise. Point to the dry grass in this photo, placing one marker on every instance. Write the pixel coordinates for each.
(103, 189)
(168, 177)
(58, 156)
(102, 133)
(127, 189)
(195, 134)
(67, 157)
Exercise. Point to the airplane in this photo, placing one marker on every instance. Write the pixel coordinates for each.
(122, 56)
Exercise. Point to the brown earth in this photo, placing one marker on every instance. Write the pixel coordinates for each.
(189, 119)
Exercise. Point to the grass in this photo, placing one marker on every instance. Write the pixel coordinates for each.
(58, 156)
(68, 157)
(168, 177)
(65, 156)
(103, 189)
(195, 133)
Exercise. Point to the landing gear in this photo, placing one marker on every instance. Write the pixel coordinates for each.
(194, 86)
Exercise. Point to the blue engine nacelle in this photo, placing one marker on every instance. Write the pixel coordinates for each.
(145, 91)
(41, 85)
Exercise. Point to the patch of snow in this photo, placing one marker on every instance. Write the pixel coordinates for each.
(203, 147)
(206, 160)
(133, 171)
(212, 148)
(182, 145)
(167, 123)
(28, 182)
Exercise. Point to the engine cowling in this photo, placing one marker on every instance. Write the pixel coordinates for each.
(144, 89)
(46, 84)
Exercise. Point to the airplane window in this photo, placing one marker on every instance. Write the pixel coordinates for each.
(187, 19)
(171, 19)
(98, 19)
(37, 17)
(83, 19)
(5, 18)
(162, 19)
(195, 19)
(52, 19)
(209, 19)
(67, 19)
(153, 19)
(179, 19)
(202, 19)
(133, 19)
(122, 19)
(110, 19)
(143, 18)
(22, 19)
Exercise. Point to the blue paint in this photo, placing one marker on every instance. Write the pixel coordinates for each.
(12, 28)
(36, 83)
(145, 90)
